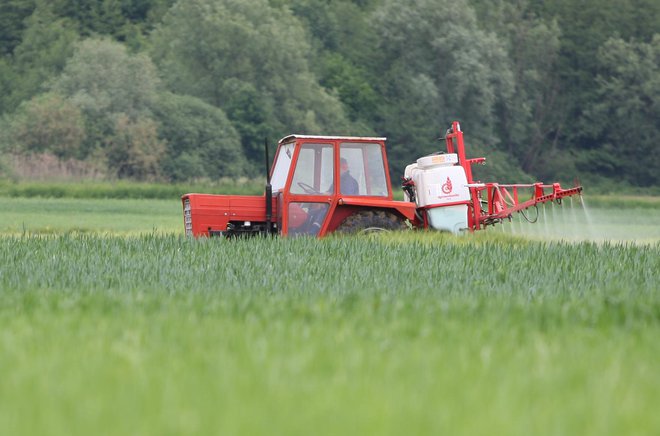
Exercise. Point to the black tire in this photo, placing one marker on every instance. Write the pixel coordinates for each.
(367, 221)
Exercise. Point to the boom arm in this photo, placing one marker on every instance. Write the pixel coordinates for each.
(501, 200)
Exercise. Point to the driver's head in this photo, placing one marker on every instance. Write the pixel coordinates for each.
(343, 165)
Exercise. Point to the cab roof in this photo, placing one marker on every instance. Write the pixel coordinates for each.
(331, 138)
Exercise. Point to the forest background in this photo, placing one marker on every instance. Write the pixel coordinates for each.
(166, 90)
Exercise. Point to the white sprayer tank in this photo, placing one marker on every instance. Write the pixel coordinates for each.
(440, 183)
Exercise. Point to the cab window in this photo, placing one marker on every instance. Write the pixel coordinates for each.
(281, 168)
(314, 170)
(363, 166)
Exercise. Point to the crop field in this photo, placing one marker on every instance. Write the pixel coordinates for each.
(111, 322)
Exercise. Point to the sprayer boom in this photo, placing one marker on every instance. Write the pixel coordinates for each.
(501, 200)
(504, 200)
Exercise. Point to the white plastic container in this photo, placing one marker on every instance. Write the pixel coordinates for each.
(439, 184)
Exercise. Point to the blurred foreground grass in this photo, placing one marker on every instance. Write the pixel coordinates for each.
(393, 334)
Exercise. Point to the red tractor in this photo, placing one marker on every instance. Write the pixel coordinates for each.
(326, 184)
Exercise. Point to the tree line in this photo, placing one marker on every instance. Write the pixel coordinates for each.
(178, 90)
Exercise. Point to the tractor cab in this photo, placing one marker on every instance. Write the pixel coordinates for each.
(313, 177)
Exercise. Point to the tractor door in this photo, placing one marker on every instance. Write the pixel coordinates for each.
(310, 192)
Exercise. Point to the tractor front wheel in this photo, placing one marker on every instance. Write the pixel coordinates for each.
(368, 221)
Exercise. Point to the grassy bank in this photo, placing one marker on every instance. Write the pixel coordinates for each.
(127, 190)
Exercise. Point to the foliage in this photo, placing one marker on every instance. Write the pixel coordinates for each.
(201, 142)
(115, 92)
(47, 123)
(527, 120)
(99, 104)
(13, 14)
(134, 150)
(518, 74)
(250, 59)
(127, 21)
(46, 44)
(353, 87)
(433, 74)
(584, 31)
(344, 56)
(103, 79)
(627, 112)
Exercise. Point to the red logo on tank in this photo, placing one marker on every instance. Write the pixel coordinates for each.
(446, 187)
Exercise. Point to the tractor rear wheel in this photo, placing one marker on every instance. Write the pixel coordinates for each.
(367, 221)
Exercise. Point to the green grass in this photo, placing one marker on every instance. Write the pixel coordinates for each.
(389, 335)
(61, 215)
(112, 323)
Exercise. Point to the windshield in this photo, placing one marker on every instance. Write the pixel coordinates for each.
(281, 169)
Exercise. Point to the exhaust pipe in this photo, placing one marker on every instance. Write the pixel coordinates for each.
(269, 191)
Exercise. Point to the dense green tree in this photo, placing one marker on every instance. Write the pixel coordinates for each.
(12, 22)
(438, 65)
(124, 20)
(115, 91)
(104, 78)
(585, 27)
(344, 55)
(46, 44)
(338, 26)
(262, 51)
(252, 115)
(201, 141)
(530, 120)
(353, 86)
(105, 81)
(46, 123)
(625, 119)
(134, 149)
(8, 80)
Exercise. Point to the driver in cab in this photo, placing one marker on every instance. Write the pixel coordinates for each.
(347, 183)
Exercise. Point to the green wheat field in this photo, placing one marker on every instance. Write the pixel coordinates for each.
(113, 323)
